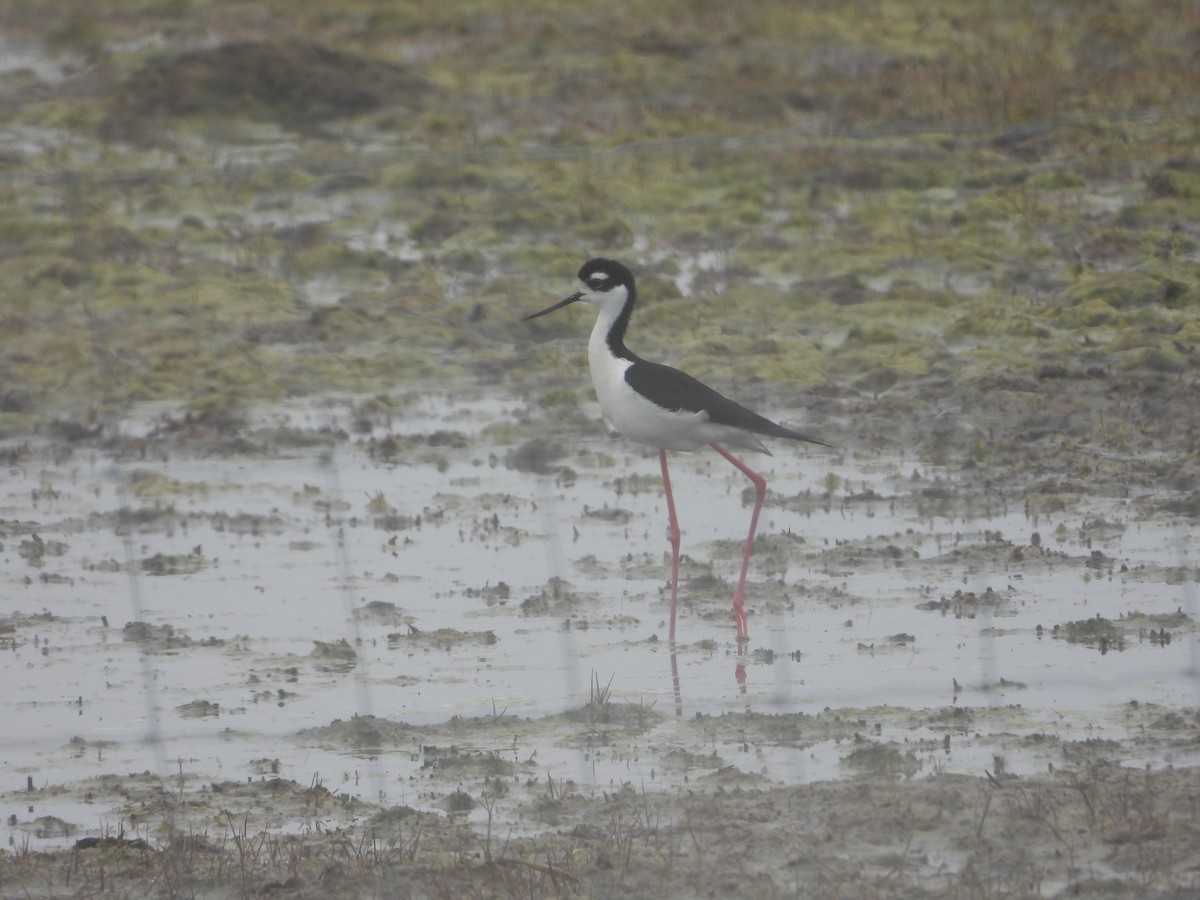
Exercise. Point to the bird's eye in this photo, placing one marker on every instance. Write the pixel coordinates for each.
(599, 283)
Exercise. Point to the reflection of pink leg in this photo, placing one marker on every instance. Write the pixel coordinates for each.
(760, 491)
(675, 681)
(673, 536)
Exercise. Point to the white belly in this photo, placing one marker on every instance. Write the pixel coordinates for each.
(638, 418)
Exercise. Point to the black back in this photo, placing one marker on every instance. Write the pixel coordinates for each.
(667, 387)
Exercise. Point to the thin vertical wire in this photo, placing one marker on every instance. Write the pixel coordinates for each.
(1190, 606)
(362, 688)
(100, 350)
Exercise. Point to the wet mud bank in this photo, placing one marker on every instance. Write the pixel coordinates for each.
(444, 667)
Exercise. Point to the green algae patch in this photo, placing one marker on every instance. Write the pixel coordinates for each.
(154, 486)
(1175, 621)
(1125, 290)
(441, 639)
(875, 758)
(877, 221)
(1178, 178)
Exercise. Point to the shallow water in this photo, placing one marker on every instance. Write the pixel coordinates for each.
(273, 554)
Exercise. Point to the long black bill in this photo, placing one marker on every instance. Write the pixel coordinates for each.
(559, 305)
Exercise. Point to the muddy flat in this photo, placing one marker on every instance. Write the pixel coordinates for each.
(332, 650)
(323, 575)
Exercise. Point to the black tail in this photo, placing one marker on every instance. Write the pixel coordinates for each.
(791, 434)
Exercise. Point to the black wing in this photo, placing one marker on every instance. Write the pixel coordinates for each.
(675, 390)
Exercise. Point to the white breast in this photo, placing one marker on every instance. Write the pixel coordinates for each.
(632, 414)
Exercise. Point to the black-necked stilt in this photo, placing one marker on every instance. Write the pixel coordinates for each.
(665, 408)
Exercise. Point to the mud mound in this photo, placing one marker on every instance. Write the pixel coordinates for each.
(295, 83)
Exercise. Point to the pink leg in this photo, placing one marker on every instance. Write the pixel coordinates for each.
(760, 491)
(673, 536)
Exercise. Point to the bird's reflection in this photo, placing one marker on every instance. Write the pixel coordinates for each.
(739, 675)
